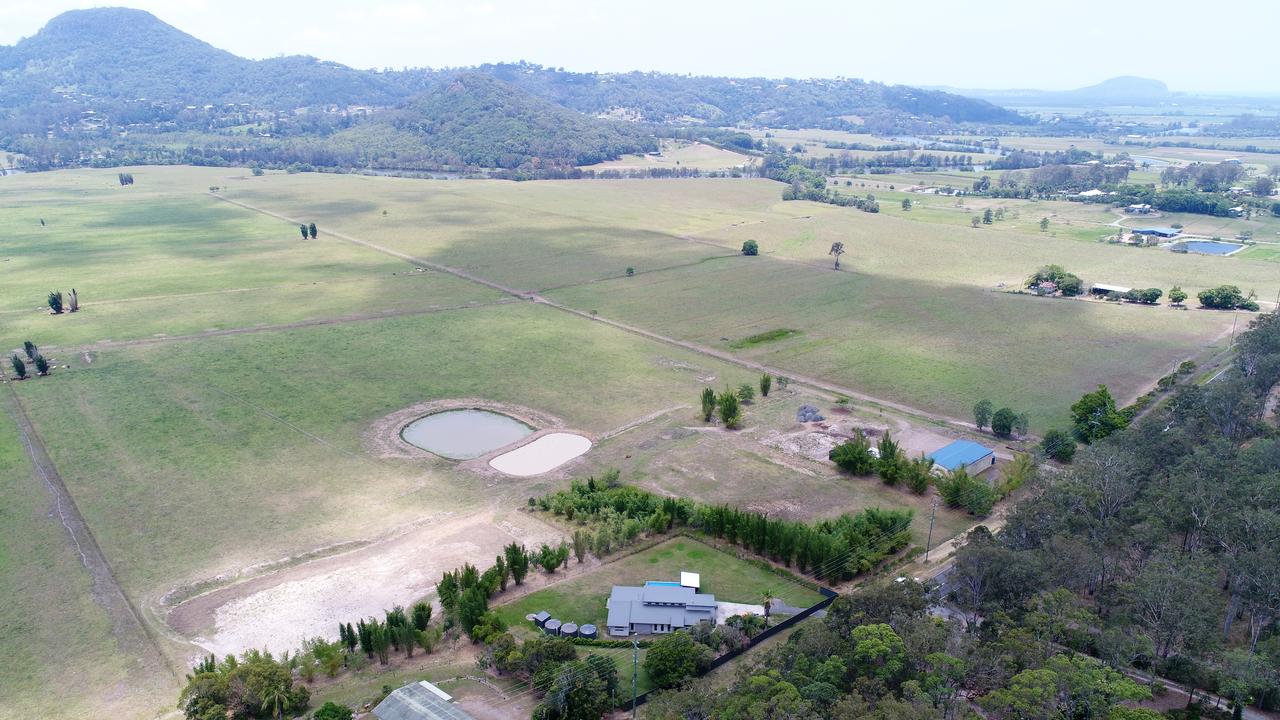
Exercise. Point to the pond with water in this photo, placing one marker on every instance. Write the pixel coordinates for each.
(1209, 247)
(464, 434)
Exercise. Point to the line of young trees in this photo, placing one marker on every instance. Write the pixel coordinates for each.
(832, 550)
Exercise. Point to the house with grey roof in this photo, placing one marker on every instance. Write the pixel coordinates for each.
(657, 608)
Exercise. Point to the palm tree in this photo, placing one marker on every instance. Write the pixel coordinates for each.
(274, 697)
(837, 249)
(766, 599)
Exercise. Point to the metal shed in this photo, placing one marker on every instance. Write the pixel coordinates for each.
(541, 618)
(419, 701)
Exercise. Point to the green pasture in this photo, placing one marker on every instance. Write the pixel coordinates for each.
(677, 154)
(60, 659)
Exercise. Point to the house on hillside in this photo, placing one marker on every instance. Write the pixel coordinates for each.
(658, 608)
(419, 701)
(1237, 211)
(971, 456)
(1164, 232)
(1139, 209)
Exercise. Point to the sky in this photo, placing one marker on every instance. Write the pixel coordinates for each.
(1042, 44)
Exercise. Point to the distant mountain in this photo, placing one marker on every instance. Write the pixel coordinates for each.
(1118, 90)
(116, 54)
(114, 85)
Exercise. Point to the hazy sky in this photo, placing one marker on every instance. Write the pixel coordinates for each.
(1055, 44)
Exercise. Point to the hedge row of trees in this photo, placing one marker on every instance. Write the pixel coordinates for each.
(831, 550)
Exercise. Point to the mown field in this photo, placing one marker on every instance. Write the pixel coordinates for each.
(677, 154)
(197, 457)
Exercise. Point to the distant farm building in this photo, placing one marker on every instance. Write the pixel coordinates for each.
(1237, 211)
(966, 454)
(1104, 289)
(1142, 209)
(1164, 232)
(657, 608)
(419, 701)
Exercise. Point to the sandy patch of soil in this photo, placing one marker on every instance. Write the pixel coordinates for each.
(278, 610)
(541, 455)
(383, 439)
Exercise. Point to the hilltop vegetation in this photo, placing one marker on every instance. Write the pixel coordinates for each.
(114, 86)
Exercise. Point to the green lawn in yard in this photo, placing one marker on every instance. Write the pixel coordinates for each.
(582, 599)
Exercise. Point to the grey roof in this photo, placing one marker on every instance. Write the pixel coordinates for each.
(415, 702)
(658, 605)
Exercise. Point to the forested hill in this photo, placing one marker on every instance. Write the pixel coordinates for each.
(665, 98)
(119, 54)
(473, 120)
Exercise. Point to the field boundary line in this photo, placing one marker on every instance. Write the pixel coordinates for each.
(809, 381)
(317, 322)
(627, 427)
(132, 635)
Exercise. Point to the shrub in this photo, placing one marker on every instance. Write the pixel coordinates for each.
(1177, 295)
(330, 710)
(918, 473)
(750, 247)
(55, 302)
(854, 456)
(730, 410)
(959, 489)
(766, 383)
(708, 404)
(675, 658)
(1058, 445)
(1002, 422)
(1226, 297)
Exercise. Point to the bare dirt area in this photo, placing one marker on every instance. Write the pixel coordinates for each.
(278, 610)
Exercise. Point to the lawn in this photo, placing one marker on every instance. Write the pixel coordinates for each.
(582, 598)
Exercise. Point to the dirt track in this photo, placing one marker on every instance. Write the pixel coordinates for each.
(137, 645)
(279, 609)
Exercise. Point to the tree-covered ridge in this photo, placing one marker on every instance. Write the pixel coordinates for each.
(476, 121)
(668, 98)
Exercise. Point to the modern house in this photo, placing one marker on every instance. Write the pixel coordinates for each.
(1163, 232)
(971, 456)
(657, 608)
(1140, 209)
(419, 701)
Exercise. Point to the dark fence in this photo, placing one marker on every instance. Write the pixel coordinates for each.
(828, 596)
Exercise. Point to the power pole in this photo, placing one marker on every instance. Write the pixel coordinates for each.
(1234, 316)
(635, 672)
(928, 544)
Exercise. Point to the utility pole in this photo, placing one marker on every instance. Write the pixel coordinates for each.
(928, 544)
(635, 672)
(1235, 315)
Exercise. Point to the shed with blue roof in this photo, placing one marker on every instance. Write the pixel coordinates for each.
(966, 454)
